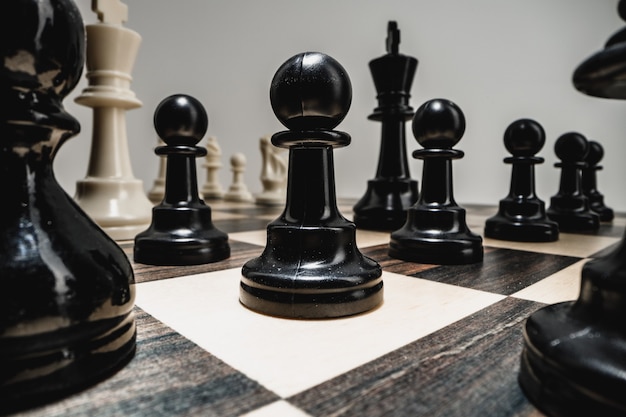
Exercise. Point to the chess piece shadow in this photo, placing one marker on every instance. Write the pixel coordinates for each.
(182, 231)
(311, 267)
(522, 216)
(435, 231)
(66, 304)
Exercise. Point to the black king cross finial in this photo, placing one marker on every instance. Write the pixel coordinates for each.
(393, 37)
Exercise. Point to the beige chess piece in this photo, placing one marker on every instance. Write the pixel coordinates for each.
(273, 174)
(238, 191)
(157, 192)
(211, 189)
(110, 194)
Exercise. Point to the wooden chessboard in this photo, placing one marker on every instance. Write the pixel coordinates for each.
(446, 341)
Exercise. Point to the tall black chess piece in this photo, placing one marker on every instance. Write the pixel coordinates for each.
(574, 358)
(392, 191)
(311, 266)
(435, 231)
(66, 288)
(522, 215)
(569, 207)
(589, 182)
(182, 231)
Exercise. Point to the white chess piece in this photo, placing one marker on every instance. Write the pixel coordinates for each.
(110, 194)
(157, 192)
(273, 174)
(212, 189)
(238, 190)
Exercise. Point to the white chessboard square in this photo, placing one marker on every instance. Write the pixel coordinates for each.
(289, 356)
(364, 238)
(563, 285)
(568, 244)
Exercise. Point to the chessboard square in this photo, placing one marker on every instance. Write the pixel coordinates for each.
(569, 244)
(241, 225)
(279, 408)
(364, 238)
(289, 356)
(563, 285)
(503, 271)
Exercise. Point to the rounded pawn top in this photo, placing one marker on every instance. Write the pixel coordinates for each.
(524, 137)
(595, 153)
(311, 91)
(571, 147)
(180, 120)
(438, 124)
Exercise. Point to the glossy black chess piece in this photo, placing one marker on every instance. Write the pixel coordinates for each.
(435, 230)
(569, 207)
(574, 358)
(311, 266)
(589, 182)
(66, 288)
(521, 215)
(392, 191)
(182, 231)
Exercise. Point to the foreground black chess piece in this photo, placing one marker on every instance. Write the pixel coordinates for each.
(311, 266)
(590, 182)
(574, 358)
(569, 207)
(66, 288)
(522, 216)
(435, 230)
(182, 231)
(392, 191)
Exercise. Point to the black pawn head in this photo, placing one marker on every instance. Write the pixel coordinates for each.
(438, 124)
(524, 137)
(595, 153)
(311, 91)
(571, 147)
(181, 120)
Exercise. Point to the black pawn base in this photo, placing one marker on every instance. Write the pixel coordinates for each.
(574, 220)
(79, 365)
(436, 236)
(573, 365)
(521, 223)
(605, 213)
(183, 236)
(311, 273)
(383, 207)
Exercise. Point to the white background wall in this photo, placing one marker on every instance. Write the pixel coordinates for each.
(499, 60)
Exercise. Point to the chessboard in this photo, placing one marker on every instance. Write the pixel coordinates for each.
(446, 341)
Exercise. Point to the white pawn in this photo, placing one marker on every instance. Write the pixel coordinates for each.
(273, 174)
(212, 190)
(238, 190)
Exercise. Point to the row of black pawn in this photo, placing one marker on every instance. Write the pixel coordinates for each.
(435, 230)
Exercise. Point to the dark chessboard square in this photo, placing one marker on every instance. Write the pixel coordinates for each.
(169, 375)
(466, 369)
(503, 271)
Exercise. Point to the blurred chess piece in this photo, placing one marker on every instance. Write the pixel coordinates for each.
(157, 192)
(238, 191)
(273, 174)
(66, 304)
(110, 194)
(212, 190)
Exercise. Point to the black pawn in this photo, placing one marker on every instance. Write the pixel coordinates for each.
(392, 191)
(311, 266)
(589, 182)
(522, 216)
(570, 207)
(435, 231)
(181, 232)
(66, 289)
(574, 358)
